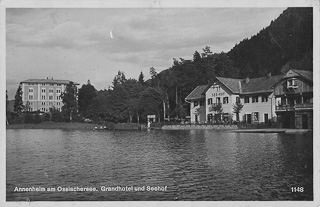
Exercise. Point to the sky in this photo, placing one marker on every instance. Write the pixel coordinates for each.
(95, 43)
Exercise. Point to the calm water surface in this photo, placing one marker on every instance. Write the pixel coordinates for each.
(189, 165)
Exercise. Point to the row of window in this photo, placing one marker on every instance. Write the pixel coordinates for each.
(225, 100)
(43, 90)
(44, 84)
(48, 109)
(255, 99)
(43, 109)
(43, 97)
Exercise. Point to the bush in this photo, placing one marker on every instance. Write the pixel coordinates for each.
(28, 118)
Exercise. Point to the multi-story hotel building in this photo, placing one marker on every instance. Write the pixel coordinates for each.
(43, 94)
(286, 97)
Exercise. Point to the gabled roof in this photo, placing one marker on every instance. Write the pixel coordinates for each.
(304, 74)
(198, 92)
(230, 83)
(48, 81)
(255, 85)
(260, 85)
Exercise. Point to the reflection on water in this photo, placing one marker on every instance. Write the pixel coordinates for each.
(193, 165)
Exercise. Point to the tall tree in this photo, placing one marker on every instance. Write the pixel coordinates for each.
(206, 52)
(153, 72)
(69, 99)
(237, 107)
(18, 103)
(150, 102)
(86, 94)
(133, 90)
(196, 56)
(119, 79)
(141, 78)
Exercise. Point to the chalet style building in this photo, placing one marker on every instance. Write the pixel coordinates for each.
(294, 99)
(43, 94)
(263, 99)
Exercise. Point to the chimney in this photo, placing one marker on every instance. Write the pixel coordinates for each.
(246, 80)
(269, 75)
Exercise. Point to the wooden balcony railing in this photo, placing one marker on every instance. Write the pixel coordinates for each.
(294, 107)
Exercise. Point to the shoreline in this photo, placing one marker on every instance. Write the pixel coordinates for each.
(53, 125)
(91, 126)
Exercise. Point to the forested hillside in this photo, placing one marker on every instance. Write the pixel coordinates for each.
(286, 43)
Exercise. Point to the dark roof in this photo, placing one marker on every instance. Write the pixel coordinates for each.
(198, 92)
(260, 85)
(255, 85)
(305, 74)
(48, 81)
(230, 83)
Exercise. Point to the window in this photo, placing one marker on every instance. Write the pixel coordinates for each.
(30, 97)
(246, 100)
(43, 90)
(58, 84)
(209, 101)
(43, 103)
(58, 103)
(58, 90)
(51, 84)
(255, 99)
(225, 100)
(58, 97)
(31, 90)
(43, 84)
(50, 90)
(195, 103)
(256, 116)
(51, 97)
(218, 100)
(237, 99)
(291, 82)
(201, 103)
(264, 98)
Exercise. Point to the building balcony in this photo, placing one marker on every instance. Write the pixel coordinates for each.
(285, 108)
(214, 106)
(304, 106)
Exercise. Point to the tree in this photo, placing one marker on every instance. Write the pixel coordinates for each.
(119, 79)
(196, 56)
(69, 99)
(141, 78)
(18, 103)
(86, 94)
(237, 109)
(206, 52)
(150, 102)
(217, 108)
(153, 72)
(133, 91)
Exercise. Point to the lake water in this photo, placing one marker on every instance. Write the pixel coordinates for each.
(180, 165)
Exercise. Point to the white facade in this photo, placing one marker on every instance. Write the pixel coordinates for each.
(43, 94)
(198, 111)
(217, 94)
(258, 108)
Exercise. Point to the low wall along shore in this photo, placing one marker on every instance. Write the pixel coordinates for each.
(218, 127)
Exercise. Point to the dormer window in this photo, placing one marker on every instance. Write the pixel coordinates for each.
(292, 83)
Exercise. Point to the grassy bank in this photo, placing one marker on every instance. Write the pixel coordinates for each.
(52, 125)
